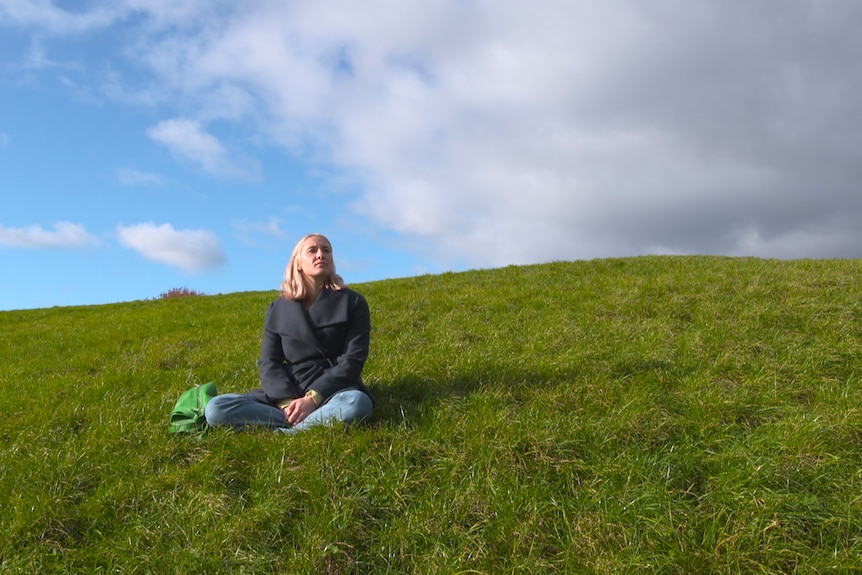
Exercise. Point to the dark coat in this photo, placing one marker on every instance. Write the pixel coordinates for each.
(323, 349)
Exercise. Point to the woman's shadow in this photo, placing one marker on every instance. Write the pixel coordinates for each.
(407, 401)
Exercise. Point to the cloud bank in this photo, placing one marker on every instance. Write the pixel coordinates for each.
(190, 250)
(512, 132)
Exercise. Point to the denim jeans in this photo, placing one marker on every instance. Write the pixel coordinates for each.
(240, 410)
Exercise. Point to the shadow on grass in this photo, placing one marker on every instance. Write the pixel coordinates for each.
(409, 400)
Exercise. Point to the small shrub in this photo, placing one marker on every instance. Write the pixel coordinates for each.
(179, 292)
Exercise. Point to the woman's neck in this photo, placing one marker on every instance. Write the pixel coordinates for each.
(312, 292)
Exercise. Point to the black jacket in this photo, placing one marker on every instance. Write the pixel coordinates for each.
(323, 349)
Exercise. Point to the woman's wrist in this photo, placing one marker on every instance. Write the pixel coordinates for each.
(315, 396)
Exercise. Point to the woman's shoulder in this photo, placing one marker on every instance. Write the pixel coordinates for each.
(355, 299)
(351, 293)
(344, 299)
(283, 306)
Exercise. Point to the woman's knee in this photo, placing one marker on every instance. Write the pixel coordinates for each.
(214, 412)
(353, 405)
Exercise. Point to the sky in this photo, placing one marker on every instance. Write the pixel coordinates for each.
(147, 145)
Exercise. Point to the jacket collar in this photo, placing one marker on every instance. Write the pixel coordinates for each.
(329, 308)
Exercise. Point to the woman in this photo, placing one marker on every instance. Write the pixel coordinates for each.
(315, 343)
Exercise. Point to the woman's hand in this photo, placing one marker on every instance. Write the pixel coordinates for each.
(299, 409)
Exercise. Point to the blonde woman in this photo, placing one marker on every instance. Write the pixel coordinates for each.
(315, 344)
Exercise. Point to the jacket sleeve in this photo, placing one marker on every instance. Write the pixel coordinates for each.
(347, 367)
(276, 379)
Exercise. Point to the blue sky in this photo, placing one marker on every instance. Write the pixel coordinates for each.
(150, 144)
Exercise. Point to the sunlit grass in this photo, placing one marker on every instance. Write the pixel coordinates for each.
(646, 415)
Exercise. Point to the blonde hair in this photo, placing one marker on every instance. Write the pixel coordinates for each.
(295, 285)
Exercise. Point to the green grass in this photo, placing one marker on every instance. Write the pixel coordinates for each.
(645, 415)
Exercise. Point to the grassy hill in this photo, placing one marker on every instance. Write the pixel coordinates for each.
(645, 415)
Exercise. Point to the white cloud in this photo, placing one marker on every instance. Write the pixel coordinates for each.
(247, 230)
(190, 250)
(65, 235)
(50, 18)
(132, 177)
(187, 140)
(36, 59)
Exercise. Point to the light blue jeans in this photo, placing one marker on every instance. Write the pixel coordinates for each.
(241, 410)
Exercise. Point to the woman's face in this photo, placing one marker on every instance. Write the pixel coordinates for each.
(315, 259)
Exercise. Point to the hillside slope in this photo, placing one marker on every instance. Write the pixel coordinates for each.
(655, 414)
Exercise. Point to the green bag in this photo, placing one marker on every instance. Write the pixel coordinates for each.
(188, 413)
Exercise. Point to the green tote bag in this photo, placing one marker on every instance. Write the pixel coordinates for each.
(188, 414)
